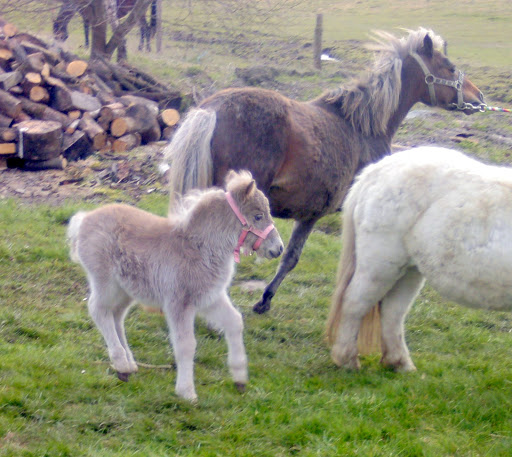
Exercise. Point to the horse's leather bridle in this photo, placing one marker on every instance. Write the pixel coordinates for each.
(246, 228)
(430, 80)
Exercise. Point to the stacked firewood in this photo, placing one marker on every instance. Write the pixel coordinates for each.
(55, 107)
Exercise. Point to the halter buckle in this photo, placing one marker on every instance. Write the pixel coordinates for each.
(430, 79)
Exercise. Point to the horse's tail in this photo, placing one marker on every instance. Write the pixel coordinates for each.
(73, 227)
(369, 332)
(189, 154)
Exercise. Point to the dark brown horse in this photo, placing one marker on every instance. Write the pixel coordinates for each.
(70, 8)
(304, 156)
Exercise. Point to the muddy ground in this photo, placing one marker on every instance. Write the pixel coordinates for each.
(136, 172)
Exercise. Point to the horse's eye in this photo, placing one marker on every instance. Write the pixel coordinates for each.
(258, 217)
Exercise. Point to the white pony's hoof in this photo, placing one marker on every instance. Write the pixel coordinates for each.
(400, 366)
(342, 360)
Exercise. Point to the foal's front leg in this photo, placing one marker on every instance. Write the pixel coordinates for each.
(181, 325)
(223, 316)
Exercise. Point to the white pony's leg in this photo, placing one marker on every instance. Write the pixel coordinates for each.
(181, 326)
(367, 287)
(394, 308)
(223, 316)
(104, 300)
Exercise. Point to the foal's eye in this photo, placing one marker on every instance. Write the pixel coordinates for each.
(258, 217)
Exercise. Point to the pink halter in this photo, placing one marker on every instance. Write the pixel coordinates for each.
(246, 229)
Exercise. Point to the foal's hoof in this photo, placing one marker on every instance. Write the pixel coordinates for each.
(123, 376)
(240, 386)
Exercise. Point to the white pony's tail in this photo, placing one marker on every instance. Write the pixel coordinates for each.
(72, 234)
(369, 340)
(188, 155)
(346, 269)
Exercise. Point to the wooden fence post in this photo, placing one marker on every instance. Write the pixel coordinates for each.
(317, 48)
(158, 26)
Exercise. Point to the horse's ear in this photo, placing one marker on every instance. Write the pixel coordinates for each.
(428, 47)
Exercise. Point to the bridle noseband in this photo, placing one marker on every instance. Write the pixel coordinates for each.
(430, 80)
(246, 228)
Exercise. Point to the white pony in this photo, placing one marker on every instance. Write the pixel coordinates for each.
(182, 264)
(429, 213)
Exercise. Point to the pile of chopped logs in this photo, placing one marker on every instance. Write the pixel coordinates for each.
(55, 107)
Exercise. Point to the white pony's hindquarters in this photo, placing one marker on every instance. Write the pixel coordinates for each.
(72, 234)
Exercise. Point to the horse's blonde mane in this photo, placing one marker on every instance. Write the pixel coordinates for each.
(369, 101)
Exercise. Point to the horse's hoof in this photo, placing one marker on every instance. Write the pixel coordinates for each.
(123, 376)
(261, 307)
(240, 386)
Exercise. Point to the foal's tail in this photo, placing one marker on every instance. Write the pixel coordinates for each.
(72, 234)
(369, 340)
(189, 154)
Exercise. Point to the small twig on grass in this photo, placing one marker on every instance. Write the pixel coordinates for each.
(141, 364)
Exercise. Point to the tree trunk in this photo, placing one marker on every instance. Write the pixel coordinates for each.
(158, 32)
(117, 38)
(96, 14)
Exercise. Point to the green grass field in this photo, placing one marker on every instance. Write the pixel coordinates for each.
(58, 396)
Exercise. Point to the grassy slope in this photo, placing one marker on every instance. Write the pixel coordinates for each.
(56, 400)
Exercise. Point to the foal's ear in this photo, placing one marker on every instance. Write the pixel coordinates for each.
(428, 47)
(249, 190)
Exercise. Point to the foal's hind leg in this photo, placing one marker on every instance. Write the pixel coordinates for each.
(394, 308)
(107, 307)
(300, 234)
(119, 316)
(224, 317)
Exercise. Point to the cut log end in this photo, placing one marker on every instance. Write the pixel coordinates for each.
(169, 117)
(76, 68)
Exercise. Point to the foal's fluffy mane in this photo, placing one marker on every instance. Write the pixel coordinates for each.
(238, 179)
(186, 203)
(369, 101)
